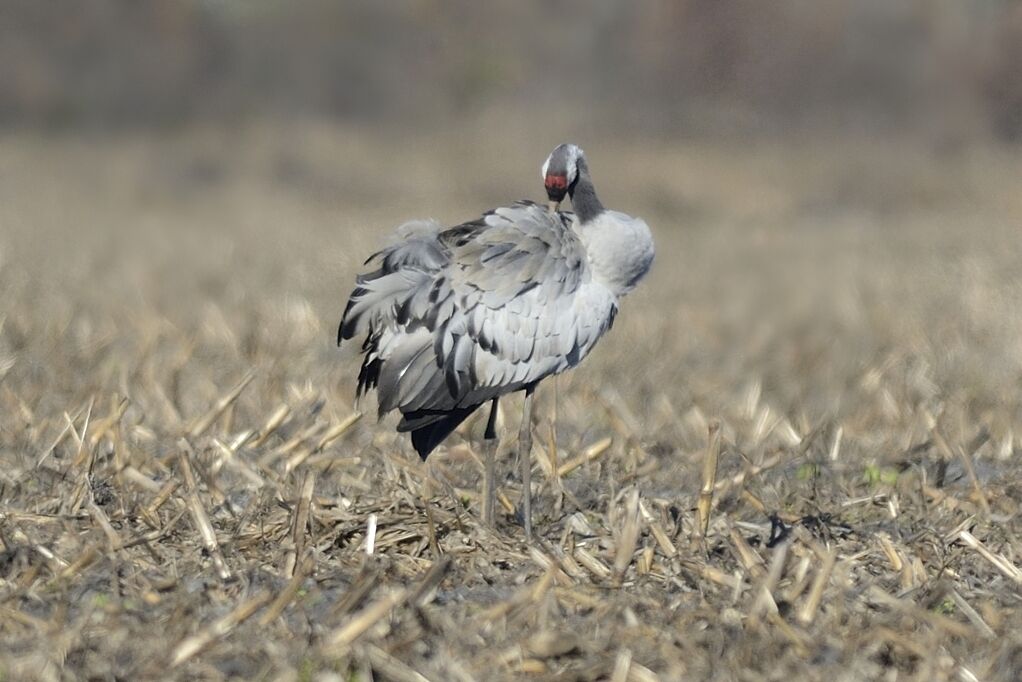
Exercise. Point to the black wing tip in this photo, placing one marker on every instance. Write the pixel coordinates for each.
(349, 324)
(369, 378)
(345, 330)
(426, 437)
(423, 442)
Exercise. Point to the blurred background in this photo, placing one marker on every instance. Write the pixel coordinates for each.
(685, 69)
(833, 186)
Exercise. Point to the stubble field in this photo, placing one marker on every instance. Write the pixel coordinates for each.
(186, 488)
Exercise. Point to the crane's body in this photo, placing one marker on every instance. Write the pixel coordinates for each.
(457, 317)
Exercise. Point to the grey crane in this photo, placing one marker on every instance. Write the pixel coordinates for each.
(457, 317)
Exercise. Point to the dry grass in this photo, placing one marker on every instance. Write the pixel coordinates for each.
(186, 490)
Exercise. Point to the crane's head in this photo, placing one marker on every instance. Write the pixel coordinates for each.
(560, 171)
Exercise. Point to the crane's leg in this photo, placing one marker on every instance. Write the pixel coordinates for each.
(525, 461)
(489, 456)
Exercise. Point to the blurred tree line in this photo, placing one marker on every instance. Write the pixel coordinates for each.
(657, 66)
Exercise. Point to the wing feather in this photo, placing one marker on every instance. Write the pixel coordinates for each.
(459, 316)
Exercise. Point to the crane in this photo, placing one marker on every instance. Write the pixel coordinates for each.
(456, 317)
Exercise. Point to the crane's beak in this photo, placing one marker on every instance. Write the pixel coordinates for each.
(553, 206)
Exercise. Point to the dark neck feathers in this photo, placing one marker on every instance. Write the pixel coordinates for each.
(584, 201)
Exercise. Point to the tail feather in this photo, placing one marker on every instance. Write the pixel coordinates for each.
(346, 329)
(430, 429)
(377, 296)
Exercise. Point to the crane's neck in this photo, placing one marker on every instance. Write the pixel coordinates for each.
(584, 201)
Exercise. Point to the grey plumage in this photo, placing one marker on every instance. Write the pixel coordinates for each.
(456, 317)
